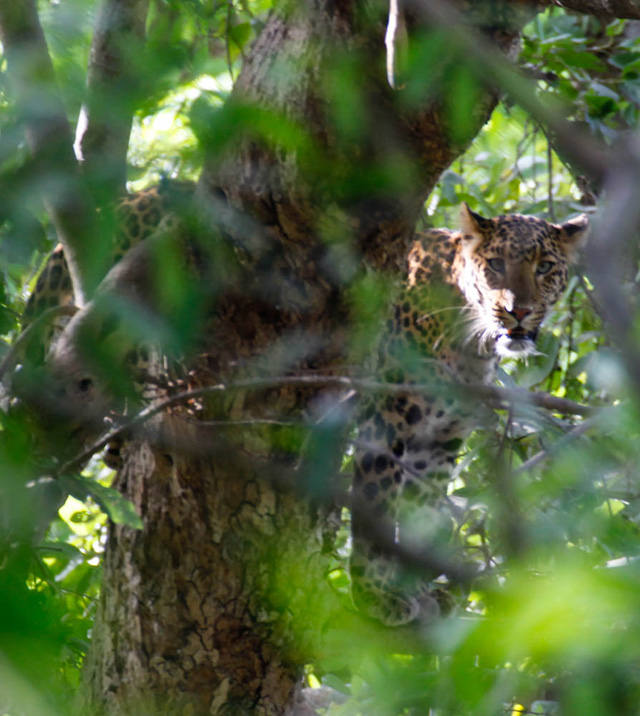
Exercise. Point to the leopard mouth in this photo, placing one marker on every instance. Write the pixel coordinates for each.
(521, 333)
(516, 342)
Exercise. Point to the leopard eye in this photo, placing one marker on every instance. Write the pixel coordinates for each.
(544, 267)
(496, 265)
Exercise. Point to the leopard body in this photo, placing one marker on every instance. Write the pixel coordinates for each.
(135, 219)
(472, 297)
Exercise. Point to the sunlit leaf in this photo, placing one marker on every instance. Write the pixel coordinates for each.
(118, 508)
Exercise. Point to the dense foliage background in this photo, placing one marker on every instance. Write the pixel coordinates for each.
(548, 504)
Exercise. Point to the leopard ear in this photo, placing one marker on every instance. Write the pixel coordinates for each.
(574, 231)
(472, 223)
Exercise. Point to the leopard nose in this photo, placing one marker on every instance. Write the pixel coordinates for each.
(520, 313)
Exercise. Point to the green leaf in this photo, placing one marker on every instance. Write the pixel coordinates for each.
(539, 367)
(601, 90)
(59, 550)
(584, 59)
(600, 105)
(450, 180)
(116, 506)
(462, 95)
(240, 34)
(336, 683)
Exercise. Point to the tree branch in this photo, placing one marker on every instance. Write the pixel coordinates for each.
(498, 398)
(49, 137)
(591, 157)
(609, 255)
(104, 125)
(623, 9)
(559, 445)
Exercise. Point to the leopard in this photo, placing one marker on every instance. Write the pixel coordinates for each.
(472, 297)
(136, 217)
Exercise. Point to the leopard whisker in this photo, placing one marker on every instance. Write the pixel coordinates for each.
(426, 316)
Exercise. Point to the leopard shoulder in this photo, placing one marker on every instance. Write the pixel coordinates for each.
(135, 218)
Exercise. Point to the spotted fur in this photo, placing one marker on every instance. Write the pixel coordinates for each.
(472, 297)
(137, 217)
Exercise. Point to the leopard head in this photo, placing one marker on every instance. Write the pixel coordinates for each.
(511, 270)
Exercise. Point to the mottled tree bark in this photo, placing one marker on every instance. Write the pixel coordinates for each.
(204, 610)
(199, 606)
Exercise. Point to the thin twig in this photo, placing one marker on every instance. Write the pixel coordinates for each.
(550, 207)
(510, 518)
(497, 397)
(226, 38)
(572, 435)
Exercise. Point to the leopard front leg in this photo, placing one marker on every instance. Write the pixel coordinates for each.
(405, 453)
(376, 579)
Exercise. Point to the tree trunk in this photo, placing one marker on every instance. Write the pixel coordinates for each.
(200, 606)
(215, 606)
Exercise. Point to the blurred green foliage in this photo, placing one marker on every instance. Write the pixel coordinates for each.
(552, 618)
